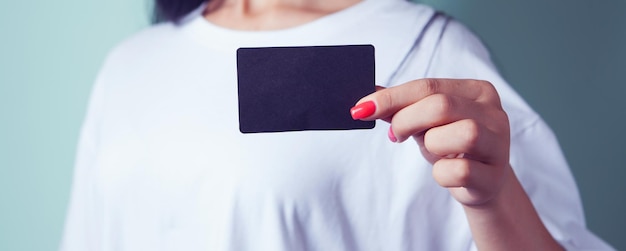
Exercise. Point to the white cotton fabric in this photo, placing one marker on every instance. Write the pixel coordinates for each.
(162, 165)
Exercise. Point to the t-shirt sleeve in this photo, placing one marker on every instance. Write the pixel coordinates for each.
(536, 156)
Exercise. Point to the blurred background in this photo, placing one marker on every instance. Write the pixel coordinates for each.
(567, 58)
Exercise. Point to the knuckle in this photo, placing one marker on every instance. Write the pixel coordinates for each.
(462, 172)
(430, 141)
(470, 131)
(504, 122)
(430, 86)
(385, 99)
(485, 85)
(401, 126)
(441, 105)
(489, 91)
(452, 172)
(498, 122)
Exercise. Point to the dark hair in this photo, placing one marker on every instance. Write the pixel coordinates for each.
(174, 10)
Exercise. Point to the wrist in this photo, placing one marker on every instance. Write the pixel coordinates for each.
(509, 221)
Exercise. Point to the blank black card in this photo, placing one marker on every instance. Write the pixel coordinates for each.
(303, 88)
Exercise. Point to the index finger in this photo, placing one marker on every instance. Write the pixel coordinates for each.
(384, 103)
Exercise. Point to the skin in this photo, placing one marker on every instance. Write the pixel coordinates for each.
(255, 15)
(463, 131)
(459, 126)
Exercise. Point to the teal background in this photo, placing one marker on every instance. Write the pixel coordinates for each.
(567, 58)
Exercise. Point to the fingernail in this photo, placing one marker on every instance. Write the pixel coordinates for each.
(363, 110)
(392, 136)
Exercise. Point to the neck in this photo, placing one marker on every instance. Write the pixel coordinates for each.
(270, 14)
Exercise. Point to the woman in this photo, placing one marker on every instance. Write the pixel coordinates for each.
(163, 166)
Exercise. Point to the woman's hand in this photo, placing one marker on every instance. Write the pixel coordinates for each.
(463, 131)
(459, 125)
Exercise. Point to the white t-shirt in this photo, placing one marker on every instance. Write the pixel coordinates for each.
(162, 165)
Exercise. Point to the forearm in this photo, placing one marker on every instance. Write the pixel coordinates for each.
(509, 221)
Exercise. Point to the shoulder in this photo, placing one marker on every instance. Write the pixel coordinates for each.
(136, 60)
(143, 54)
(455, 51)
(454, 37)
(144, 42)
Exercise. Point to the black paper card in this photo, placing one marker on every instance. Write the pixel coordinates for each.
(303, 88)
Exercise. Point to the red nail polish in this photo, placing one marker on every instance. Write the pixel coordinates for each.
(392, 136)
(363, 110)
